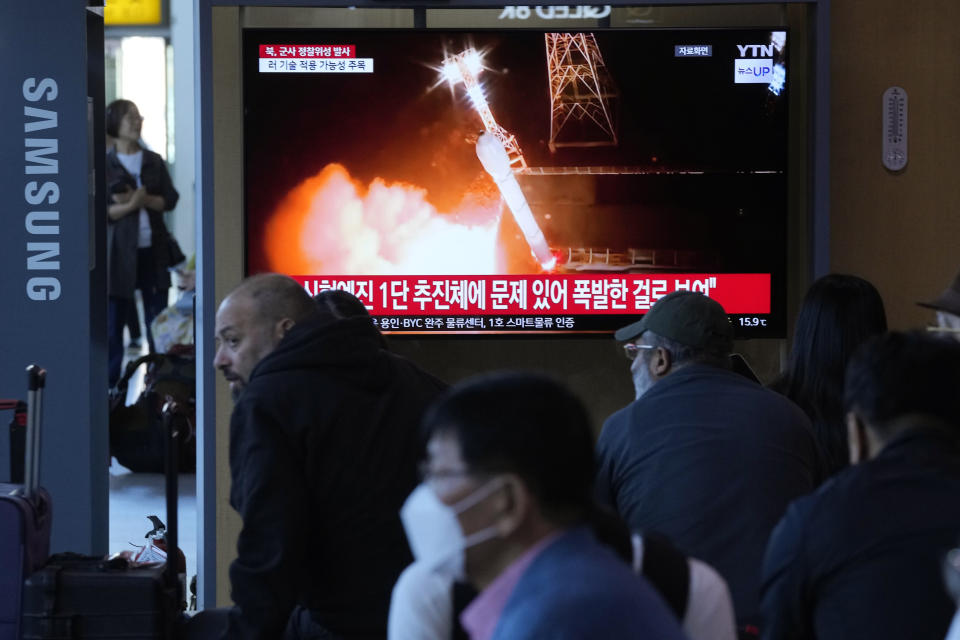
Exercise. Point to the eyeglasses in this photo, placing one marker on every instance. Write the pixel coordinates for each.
(632, 350)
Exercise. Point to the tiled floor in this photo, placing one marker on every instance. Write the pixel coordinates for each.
(134, 496)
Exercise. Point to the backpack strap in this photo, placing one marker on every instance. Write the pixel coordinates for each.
(124, 381)
(667, 570)
(463, 595)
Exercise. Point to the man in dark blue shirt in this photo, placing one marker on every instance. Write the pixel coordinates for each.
(704, 455)
(862, 557)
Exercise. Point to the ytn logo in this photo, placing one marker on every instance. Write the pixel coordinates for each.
(756, 50)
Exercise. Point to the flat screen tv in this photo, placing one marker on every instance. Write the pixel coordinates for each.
(520, 181)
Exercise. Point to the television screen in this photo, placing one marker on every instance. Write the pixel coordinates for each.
(520, 181)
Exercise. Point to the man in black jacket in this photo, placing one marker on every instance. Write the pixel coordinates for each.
(861, 557)
(323, 451)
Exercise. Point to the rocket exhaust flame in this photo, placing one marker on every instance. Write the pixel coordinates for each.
(331, 224)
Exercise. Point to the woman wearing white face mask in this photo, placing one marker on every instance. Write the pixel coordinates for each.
(506, 501)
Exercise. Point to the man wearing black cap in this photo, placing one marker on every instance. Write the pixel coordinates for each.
(704, 455)
(947, 306)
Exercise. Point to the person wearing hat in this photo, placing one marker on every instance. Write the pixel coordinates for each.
(947, 306)
(703, 455)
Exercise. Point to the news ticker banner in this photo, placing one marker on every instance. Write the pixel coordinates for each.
(542, 295)
(312, 58)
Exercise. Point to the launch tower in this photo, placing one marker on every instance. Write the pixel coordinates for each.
(581, 92)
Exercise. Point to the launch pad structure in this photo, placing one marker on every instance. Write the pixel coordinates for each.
(582, 95)
(581, 91)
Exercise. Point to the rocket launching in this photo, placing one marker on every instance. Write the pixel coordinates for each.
(496, 162)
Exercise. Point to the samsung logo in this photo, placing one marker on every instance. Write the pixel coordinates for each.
(41, 147)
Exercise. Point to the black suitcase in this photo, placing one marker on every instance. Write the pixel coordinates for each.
(25, 512)
(82, 597)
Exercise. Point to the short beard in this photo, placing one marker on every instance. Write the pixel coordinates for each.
(640, 371)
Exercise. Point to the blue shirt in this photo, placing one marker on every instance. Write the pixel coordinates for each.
(577, 589)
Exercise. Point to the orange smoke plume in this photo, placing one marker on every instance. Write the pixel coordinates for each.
(332, 224)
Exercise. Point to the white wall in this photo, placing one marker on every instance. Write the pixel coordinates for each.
(181, 40)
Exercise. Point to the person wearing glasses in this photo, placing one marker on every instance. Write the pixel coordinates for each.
(864, 556)
(507, 504)
(703, 455)
(947, 306)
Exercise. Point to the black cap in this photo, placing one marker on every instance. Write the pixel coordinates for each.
(948, 301)
(687, 317)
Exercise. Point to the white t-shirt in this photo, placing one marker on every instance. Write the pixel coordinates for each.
(421, 607)
(133, 163)
(709, 614)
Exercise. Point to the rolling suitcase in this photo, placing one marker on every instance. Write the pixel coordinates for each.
(25, 516)
(85, 597)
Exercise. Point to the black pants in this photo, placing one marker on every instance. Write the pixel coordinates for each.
(154, 301)
(133, 321)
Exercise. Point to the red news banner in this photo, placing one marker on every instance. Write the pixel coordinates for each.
(308, 51)
(739, 293)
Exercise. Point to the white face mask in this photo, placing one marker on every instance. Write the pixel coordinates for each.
(434, 532)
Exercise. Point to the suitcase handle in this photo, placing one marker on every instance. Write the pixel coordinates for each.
(36, 377)
(172, 410)
(36, 380)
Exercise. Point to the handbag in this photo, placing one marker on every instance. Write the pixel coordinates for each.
(137, 431)
(174, 254)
